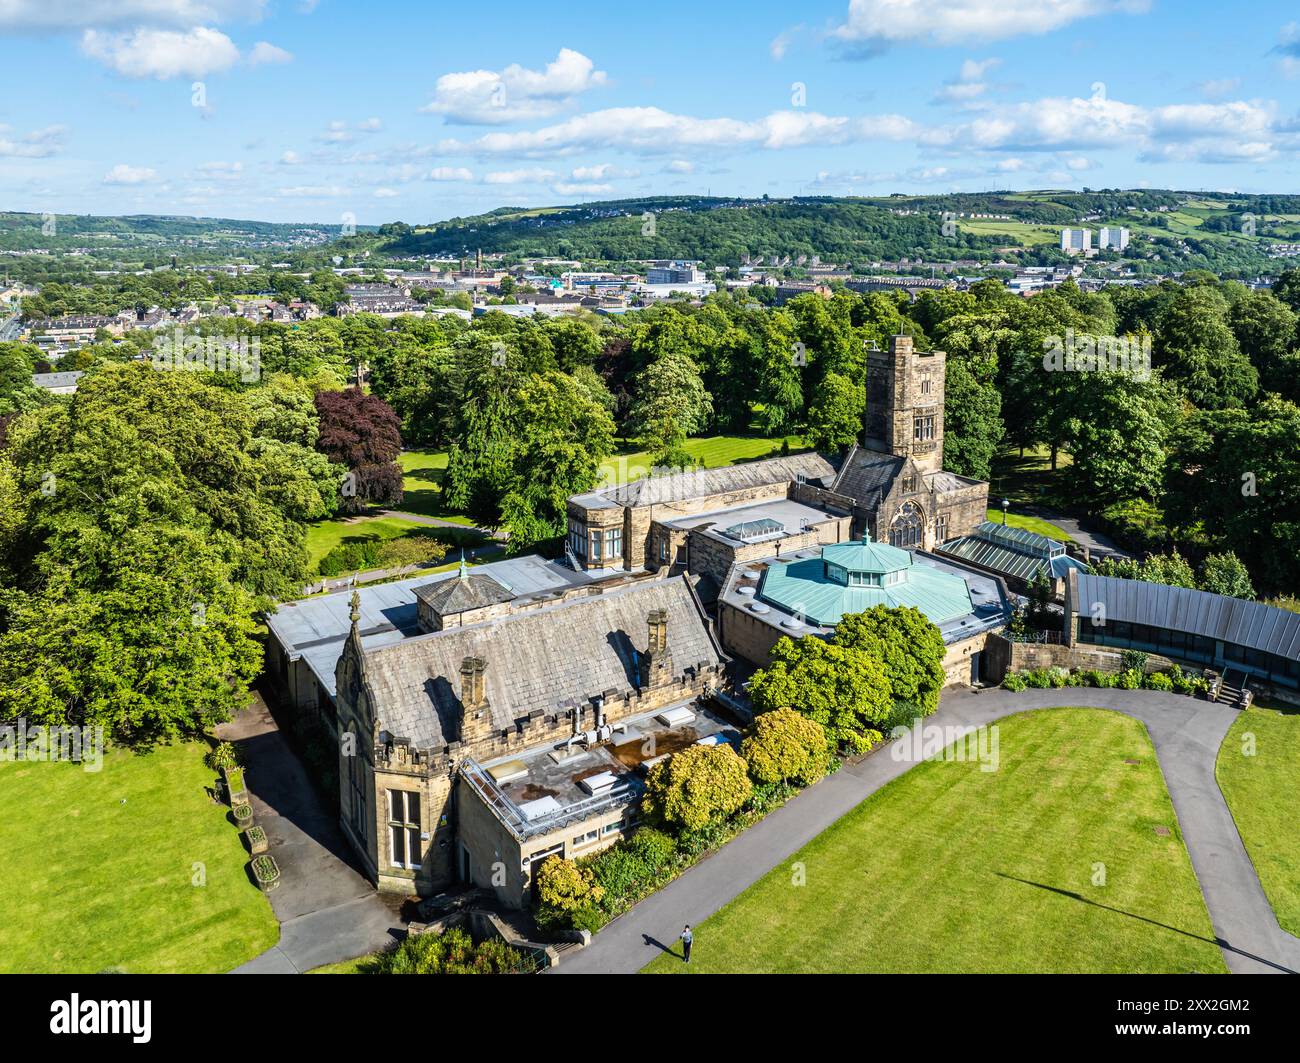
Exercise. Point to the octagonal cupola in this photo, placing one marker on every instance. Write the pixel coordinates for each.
(863, 563)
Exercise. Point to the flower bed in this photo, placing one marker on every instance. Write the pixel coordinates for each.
(1174, 680)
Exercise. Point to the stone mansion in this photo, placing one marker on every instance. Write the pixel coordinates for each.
(488, 718)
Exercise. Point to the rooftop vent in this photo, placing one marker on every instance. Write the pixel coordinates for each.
(599, 784)
(676, 717)
(542, 807)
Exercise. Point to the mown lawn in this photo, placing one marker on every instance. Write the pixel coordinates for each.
(325, 536)
(1259, 774)
(1033, 524)
(422, 485)
(713, 452)
(952, 869)
(1029, 478)
(100, 869)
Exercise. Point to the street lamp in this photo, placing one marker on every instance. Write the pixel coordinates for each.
(1005, 503)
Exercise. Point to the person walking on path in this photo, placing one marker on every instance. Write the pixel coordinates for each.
(686, 939)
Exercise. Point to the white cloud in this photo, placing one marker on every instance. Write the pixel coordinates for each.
(386, 193)
(266, 54)
(680, 166)
(569, 188)
(651, 131)
(782, 41)
(519, 177)
(1217, 89)
(873, 25)
(489, 97)
(38, 144)
(222, 171)
(162, 54)
(122, 174)
(313, 192)
(291, 158)
(600, 173)
(450, 173)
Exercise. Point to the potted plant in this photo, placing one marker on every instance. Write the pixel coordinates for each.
(236, 788)
(257, 842)
(266, 872)
(243, 815)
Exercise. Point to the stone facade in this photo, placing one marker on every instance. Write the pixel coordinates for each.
(410, 715)
(905, 401)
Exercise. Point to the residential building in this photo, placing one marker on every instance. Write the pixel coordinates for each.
(1076, 241)
(1113, 239)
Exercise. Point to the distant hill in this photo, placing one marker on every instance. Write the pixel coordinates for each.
(152, 232)
(1171, 228)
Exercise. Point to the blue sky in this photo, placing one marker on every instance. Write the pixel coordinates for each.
(293, 110)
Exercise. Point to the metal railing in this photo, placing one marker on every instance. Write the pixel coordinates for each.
(523, 827)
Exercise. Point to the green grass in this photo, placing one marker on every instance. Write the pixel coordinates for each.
(1029, 478)
(357, 965)
(712, 452)
(98, 869)
(952, 869)
(1033, 524)
(325, 536)
(422, 485)
(1260, 780)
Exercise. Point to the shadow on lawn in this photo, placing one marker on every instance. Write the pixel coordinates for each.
(1143, 919)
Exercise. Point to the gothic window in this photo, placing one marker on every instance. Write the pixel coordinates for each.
(925, 384)
(404, 828)
(907, 530)
(910, 485)
(941, 528)
(923, 428)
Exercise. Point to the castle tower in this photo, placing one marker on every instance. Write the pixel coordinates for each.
(905, 390)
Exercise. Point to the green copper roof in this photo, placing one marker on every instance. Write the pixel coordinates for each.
(802, 587)
(862, 555)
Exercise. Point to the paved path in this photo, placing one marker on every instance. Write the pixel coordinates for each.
(328, 911)
(438, 522)
(1186, 733)
(1098, 545)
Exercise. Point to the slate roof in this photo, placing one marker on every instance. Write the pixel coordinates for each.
(466, 591)
(546, 659)
(1213, 616)
(867, 475)
(700, 483)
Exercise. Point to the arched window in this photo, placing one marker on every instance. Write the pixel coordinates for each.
(907, 530)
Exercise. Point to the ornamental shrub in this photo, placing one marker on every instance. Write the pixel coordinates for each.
(697, 786)
(786, 746)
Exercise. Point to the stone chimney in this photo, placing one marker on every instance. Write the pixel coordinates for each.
(656, 662)
(476, 716)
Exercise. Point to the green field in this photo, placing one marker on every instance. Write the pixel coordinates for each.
(1026, 234)
(100, 869)
(952, 869)
(422, 485)
(1033, 524)
(1260, 781)
(712, 452)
